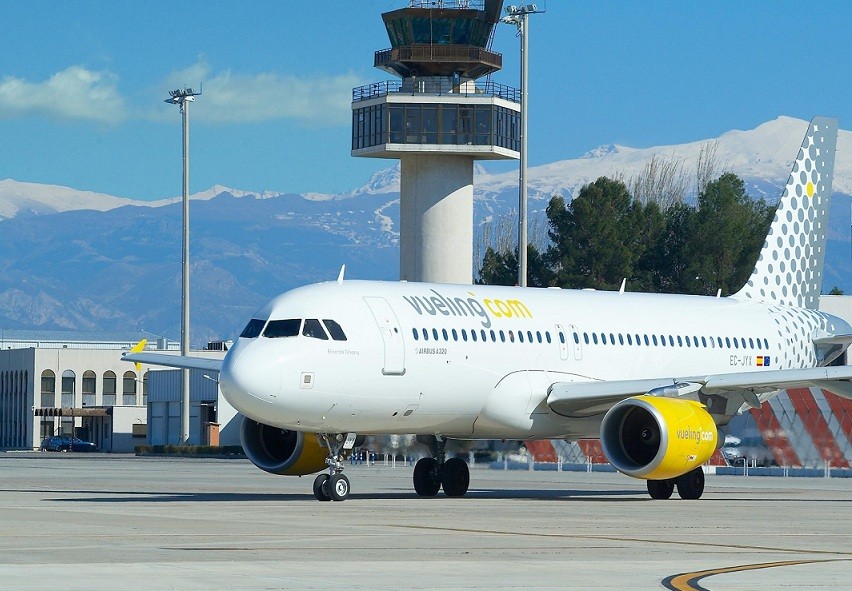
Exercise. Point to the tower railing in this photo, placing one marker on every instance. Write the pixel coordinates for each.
(463, 4)
(428, 52)
(489, 88)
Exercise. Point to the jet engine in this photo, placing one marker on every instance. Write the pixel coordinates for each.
(280, 451)
(658, 438)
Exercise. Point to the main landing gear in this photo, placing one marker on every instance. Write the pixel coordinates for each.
(689, 486)
(432, 474)
(334, 486)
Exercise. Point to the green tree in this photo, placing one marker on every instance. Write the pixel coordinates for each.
(835, 291)
(726, 237)
(501, 268)
(595, 238)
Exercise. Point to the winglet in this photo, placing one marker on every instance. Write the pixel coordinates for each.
(340, 275)
(623, 285)
(136, 349)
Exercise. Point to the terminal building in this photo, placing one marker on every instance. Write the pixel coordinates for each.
(74, 383)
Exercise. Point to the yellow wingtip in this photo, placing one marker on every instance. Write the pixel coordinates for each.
(136, 349)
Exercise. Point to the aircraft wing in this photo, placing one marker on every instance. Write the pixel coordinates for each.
(578, 399)
(178, 361)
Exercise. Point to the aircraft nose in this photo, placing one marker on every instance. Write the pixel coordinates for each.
(248, 377)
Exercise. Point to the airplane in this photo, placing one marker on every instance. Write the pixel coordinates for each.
(654, 376)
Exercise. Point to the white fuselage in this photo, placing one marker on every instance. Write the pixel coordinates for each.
(477, 361)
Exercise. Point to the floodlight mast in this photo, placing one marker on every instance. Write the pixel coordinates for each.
(519, 16)
(183, 98)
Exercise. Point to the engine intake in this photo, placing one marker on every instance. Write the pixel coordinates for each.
(658, 438)
(280, 451)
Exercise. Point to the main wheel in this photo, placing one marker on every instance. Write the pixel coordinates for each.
(426, 480)
(338, 487)
(661, 489)
(455, 477)
(321, 488)
(691, 484)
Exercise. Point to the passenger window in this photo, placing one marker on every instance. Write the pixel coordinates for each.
(736, 343)
(455, 335)
(313, 329)
(547, 337)
(416, 334)
(530, 337)
(444, 334)
(576, 339)
(620, 339)
(654, 337)
(282, 328)
(425, 335)
(603, 338)
(336, 331)
(561, 338)
(586, 337)
(502, 337)
(703, 342)
(253, 329)
(435, 334)
(671, 340)
(538, 335)
(464, 335)
(765, 344)
(493, 337)
(611, 339)
(595, 338)
(520, 336)
(679, 341)
(758, 343)
(629, 340)
(472, 335)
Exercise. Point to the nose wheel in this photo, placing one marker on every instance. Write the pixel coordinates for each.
(334, 485)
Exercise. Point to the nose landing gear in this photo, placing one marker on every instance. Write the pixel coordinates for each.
(334, 486)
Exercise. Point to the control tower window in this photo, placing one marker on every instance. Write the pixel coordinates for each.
(253, 328)
(421, 27)
(441, 31)
(461, 31)
(396, 112)
(282, 328)
(335, 331)
(314, 329)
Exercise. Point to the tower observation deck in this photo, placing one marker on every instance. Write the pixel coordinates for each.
(437, 119)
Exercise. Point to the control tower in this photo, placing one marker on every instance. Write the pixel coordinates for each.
(437, 120)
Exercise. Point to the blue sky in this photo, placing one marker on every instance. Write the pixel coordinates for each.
(82, 84)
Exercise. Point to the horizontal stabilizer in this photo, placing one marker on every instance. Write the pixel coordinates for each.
(177, 361)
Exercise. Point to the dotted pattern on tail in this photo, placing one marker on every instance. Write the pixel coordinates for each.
(789, 268)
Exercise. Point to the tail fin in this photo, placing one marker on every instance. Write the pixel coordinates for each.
(789, 268)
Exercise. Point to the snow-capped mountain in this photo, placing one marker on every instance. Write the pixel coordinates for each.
(76, 259)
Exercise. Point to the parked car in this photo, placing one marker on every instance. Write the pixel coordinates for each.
(65, 443)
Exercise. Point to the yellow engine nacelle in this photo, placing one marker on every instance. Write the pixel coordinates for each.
(658, 438)
(280, 451)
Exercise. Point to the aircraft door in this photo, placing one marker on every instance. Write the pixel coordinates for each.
(563, 342)
(394, 347)
(575, 338)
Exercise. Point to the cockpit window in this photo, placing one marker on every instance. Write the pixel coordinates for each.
(282, 328)
(334, 330)
(314, 329)
(253, 328)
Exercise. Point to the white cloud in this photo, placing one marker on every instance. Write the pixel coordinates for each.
(241, 98)
(74, 93)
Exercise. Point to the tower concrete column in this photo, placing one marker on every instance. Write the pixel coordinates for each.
(436, 218)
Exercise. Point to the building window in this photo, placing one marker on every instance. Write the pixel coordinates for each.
(109, 389)
(69, 379)
(88, 387)
(48, 391)
(145, 389)
(129, 389)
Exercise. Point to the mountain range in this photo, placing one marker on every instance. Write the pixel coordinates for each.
(79, 260)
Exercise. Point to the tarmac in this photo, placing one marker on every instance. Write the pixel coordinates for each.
(90, 521)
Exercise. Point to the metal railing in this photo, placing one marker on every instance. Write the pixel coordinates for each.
(430, 52)
(486, 89)
(462, 4)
